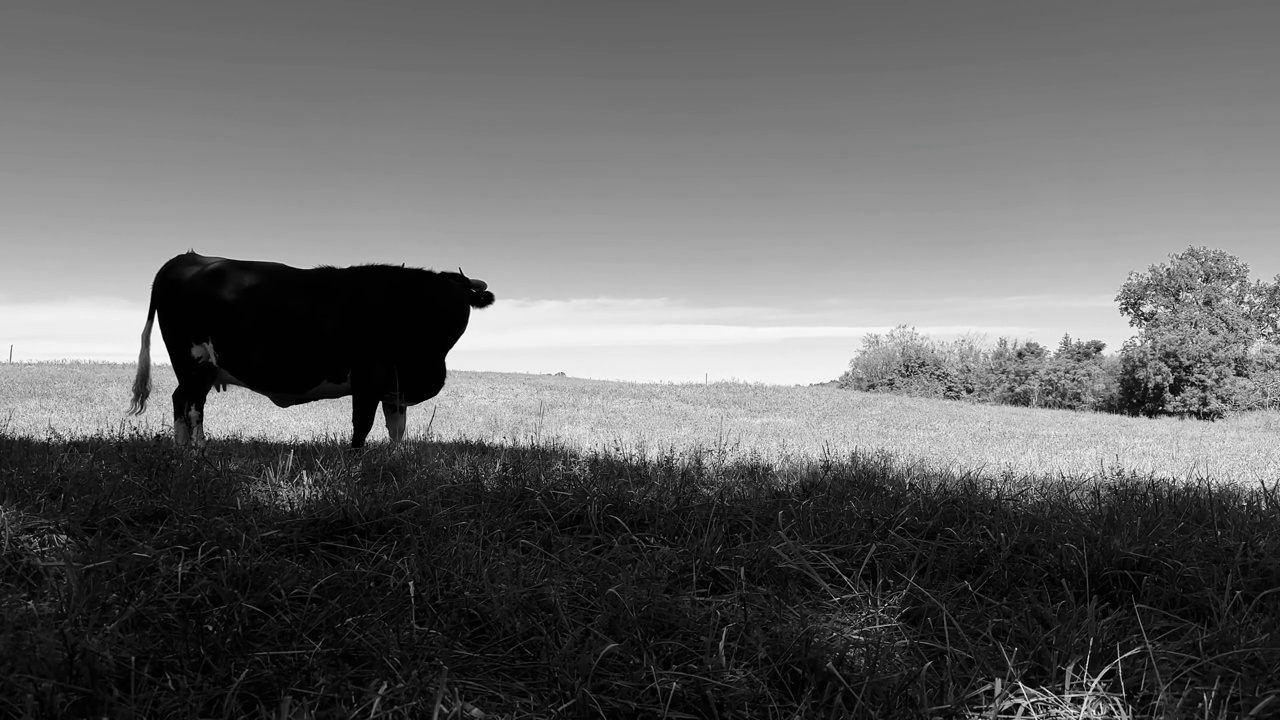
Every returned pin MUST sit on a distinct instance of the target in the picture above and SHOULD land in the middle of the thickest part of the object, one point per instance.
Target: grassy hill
(770, 421)
(568, 548)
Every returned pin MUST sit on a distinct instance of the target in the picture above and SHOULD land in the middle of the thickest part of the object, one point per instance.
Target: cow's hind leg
(181, 419)
(188, 414)
(194, 383)
(394, 412)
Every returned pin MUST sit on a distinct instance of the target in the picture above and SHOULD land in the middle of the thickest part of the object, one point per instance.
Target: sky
(658, 191)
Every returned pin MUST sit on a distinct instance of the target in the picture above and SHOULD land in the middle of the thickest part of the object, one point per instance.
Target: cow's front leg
(395, 413)
(363, 410)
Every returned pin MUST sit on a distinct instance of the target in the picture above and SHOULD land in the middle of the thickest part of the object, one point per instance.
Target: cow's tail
(142, 381)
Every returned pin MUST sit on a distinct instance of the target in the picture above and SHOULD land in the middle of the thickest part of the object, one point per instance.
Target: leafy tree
(1077, 351)
(1198, 317)
(1078, 377)
(968, 360)
(1181, 371)
(1204, 284)
(1261, 389)
(1015, 373)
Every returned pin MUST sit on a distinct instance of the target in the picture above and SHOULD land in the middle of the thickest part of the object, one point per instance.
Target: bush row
(1075, 376)
(1208, 343)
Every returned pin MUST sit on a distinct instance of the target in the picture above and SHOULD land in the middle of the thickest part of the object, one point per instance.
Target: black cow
(378, 333)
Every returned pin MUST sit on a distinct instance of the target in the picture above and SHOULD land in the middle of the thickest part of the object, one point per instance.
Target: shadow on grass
(261, 579)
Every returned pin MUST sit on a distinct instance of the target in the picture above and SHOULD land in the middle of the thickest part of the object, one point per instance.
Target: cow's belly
(324, 391)
(262, 383)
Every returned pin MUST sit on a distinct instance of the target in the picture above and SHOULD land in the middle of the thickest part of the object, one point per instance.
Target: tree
(1262, 390)
(1078, 377)
(1016, 372)
(1077, 351)
(1198, 317)
(1200, 284)
(1181, 371)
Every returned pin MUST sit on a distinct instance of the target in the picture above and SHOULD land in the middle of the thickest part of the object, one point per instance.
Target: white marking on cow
(188, 426)
(204, 352)
(395, 414)
(197, 427)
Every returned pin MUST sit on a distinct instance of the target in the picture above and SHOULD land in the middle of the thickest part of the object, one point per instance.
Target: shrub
(903, 362)
(1012, 373)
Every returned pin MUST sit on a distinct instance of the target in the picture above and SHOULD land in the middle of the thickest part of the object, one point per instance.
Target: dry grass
(773, 421)
(667, 575)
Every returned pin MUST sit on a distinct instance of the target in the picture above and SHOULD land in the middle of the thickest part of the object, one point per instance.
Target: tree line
(1207, 344)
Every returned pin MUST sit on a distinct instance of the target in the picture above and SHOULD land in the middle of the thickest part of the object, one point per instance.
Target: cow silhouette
(379, 333)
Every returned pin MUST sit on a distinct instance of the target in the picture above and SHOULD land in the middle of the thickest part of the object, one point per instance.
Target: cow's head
(480, 297)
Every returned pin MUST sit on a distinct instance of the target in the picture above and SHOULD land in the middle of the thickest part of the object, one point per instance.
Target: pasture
(52, 399)
(556, 547)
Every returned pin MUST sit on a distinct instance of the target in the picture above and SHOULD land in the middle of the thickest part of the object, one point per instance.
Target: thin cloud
(1039, 301)
(968, 303)
(613, 322)
(96, 328)
(106, 328)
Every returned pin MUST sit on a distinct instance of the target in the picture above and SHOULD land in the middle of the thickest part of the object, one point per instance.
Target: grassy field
(53, 400)
(555, 547)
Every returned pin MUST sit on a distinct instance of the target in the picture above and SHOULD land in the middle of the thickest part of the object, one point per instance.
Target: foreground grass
(521, 580)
